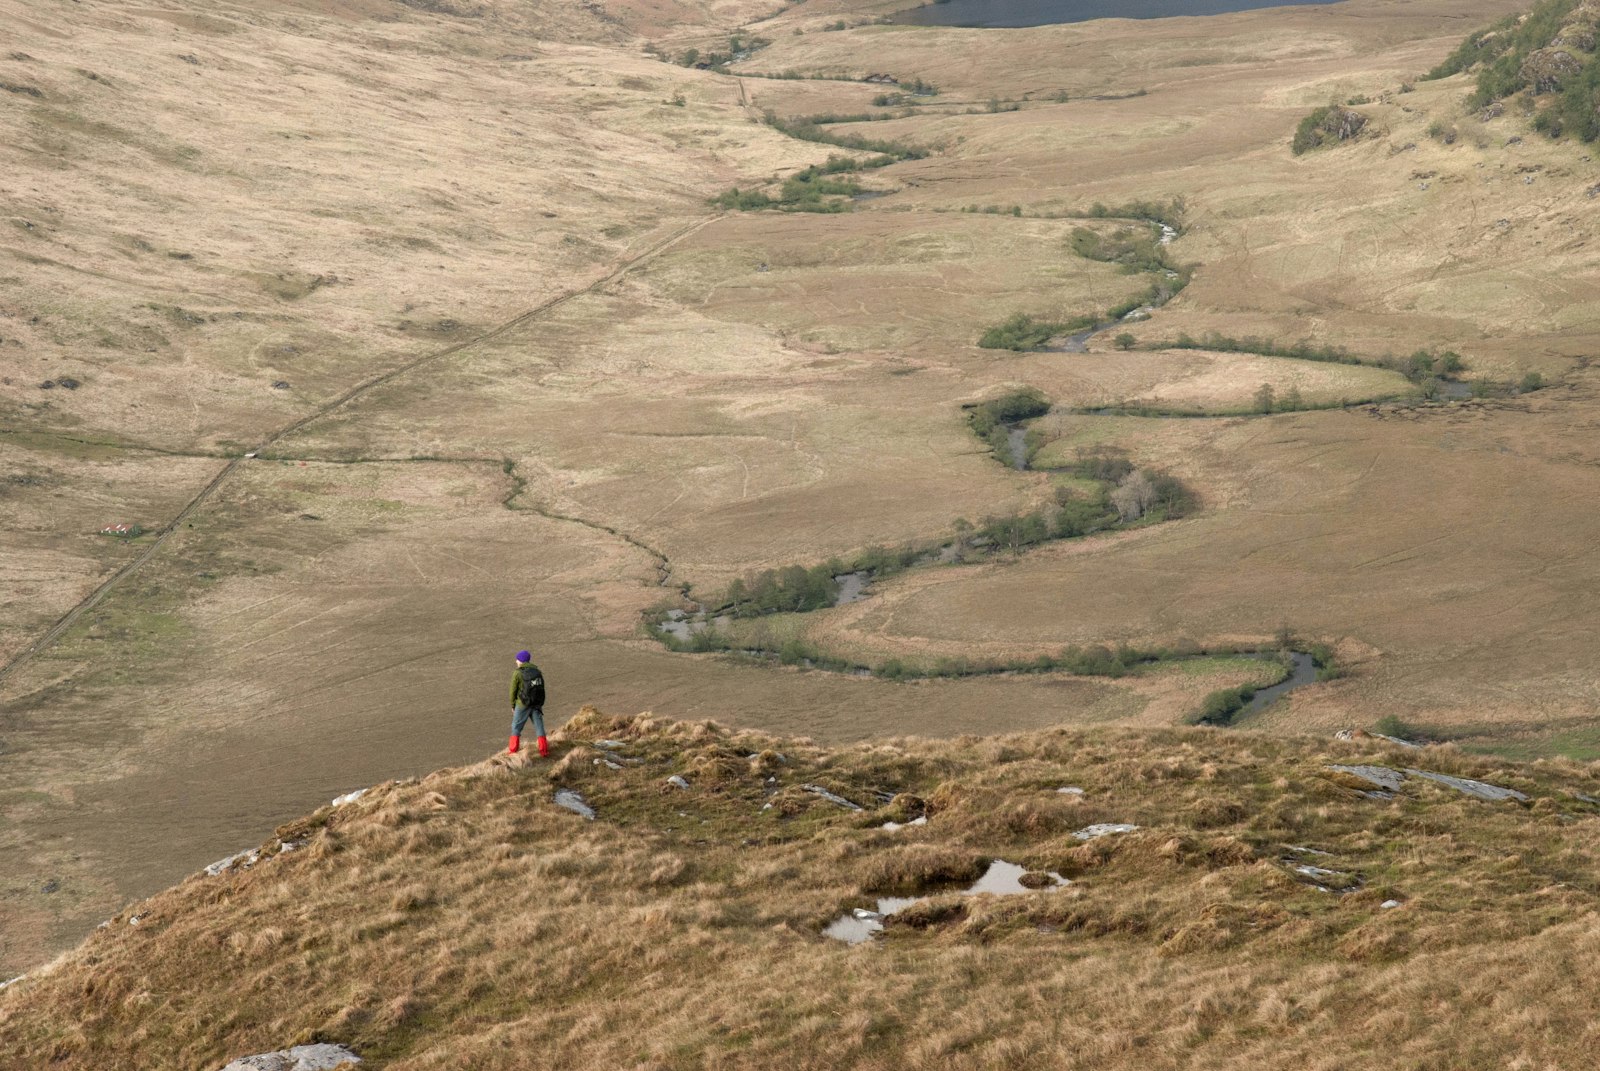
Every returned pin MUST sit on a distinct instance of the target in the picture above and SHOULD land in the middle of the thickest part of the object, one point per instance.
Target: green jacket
(535, 683)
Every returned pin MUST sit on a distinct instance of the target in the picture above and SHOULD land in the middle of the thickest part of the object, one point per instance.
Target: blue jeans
(520, 716)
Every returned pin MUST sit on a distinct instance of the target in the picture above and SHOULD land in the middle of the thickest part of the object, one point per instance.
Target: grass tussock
(465, 921)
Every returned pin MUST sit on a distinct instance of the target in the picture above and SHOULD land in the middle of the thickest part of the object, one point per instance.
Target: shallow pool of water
(861, 924)
(1001, 879)
(1008, 14)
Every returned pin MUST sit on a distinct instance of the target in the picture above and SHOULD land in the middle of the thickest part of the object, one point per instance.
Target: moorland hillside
(1159, 899)
(349, 347)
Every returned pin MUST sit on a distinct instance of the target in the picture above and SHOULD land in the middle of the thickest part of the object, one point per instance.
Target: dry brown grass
(463, 920)
(333, 191)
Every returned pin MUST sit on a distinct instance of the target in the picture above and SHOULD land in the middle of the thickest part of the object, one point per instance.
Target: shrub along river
(998, 14)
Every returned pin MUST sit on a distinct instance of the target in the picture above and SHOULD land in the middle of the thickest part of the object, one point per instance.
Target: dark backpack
(530, 693)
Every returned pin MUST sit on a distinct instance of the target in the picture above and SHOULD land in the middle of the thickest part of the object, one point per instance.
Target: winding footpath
(67, 620)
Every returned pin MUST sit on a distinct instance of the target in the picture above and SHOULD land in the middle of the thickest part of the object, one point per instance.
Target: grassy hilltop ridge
(464, 920)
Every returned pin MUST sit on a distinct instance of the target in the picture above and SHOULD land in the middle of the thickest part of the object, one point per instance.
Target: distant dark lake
(1011, 13)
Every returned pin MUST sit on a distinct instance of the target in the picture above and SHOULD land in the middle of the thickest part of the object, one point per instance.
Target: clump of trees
(1167, 212)
(1223, 705)
(988, 419)
(819, 188)
(816, 189)
(739, 48)
(1420, 367)
(1132, 249)
(1328, 125)
(1127, 495)
(792, 589)
(1303, 350)
(809, 128)
(1023, 332)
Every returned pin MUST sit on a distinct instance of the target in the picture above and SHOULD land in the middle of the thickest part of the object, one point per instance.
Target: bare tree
(1133, 496)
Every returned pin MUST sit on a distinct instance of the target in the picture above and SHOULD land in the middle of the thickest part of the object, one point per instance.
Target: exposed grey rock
(1363, 734)
(1476, 789)
(677, 782)
(1388, 782)
(574, 802)
(1310, 871)
(1387, 904)
(1070, 790)
(609, 745)
(1397, 740)
(1550, 69)
(1103, 829)
(299, 1058)
(1380, 777)
(818, 790)
(241, 859)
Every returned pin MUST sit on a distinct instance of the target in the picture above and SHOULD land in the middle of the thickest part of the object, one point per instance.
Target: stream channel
(1303, 671)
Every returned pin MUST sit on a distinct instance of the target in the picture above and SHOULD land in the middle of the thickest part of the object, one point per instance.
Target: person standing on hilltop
(527, 702)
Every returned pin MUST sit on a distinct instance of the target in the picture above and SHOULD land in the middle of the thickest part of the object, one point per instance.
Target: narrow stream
(1017, 440)
(1304, 672)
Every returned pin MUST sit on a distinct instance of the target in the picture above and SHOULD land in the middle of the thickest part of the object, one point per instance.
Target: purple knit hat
(524, 656)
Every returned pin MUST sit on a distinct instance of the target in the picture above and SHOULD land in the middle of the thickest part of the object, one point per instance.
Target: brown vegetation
(517, 380)
(462, 920)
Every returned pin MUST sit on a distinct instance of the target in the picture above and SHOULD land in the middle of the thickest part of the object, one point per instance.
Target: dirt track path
(56, 631)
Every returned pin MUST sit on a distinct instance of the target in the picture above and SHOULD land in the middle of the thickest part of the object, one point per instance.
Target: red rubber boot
(544, 748)
(516, 742)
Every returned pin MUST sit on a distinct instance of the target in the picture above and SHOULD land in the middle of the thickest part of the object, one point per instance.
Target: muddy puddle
(1000, 879)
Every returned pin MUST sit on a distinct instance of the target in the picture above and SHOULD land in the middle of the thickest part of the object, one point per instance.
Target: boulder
(1547, 70)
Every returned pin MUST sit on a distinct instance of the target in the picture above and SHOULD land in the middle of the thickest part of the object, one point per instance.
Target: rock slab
(1387, 780)
(1477, 789)
(299, 1058)
(1379, 777)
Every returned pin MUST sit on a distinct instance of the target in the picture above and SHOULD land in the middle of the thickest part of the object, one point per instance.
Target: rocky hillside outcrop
(664, 894)
(1550, 54)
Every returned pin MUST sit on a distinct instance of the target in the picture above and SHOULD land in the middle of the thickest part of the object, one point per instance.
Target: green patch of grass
(1579, 745)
